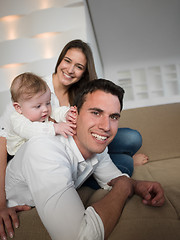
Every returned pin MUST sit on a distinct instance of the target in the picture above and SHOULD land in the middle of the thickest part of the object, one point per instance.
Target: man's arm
(110, 207)
(48, 173)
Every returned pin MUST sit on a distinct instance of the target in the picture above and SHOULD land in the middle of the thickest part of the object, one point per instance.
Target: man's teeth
(98, 137)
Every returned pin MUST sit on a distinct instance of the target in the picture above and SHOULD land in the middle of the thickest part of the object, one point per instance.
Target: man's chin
(100, 149)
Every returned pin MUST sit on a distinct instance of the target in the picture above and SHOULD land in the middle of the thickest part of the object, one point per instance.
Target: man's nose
(104, 123)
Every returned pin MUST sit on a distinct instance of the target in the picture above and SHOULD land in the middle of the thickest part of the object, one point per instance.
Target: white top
(45, 172)
(22, 129)
(5, 120)
(16, 135)
(5, 117)
(54, 99)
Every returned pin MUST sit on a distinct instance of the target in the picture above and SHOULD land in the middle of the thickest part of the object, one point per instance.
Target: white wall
(32, 35)
(140, 34)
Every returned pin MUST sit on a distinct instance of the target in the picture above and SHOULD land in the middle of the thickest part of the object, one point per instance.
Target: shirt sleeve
(5, 120)
(48, 172)
(59, 113)
(106, 170)
(26, 129)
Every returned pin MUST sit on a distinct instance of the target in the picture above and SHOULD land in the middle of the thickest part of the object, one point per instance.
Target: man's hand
(124, 184)
(9, 218)
(151, 192)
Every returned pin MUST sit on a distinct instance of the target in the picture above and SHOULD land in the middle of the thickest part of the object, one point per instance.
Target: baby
(34, 114)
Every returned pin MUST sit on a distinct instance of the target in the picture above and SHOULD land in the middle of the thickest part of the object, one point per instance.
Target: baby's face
(37, 108)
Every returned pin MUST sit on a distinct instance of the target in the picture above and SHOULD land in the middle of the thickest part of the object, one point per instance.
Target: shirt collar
(76, 149)
(93, 160)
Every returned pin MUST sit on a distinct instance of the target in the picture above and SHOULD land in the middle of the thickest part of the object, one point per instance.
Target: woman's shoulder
(48, 79)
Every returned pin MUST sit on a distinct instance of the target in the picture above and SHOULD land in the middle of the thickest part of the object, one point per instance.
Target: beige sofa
(160, 129)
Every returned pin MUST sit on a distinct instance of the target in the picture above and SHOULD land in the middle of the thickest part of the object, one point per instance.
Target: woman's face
(72, 67)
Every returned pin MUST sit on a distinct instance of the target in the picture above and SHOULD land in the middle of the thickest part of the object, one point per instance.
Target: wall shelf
(158, 82)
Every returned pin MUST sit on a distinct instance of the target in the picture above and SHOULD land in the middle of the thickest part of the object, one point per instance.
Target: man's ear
(17, 107)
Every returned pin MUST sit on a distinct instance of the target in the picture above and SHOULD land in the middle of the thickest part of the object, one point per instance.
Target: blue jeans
(125, 144)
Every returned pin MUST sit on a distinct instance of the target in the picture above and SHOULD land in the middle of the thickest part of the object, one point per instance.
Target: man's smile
(99, 137)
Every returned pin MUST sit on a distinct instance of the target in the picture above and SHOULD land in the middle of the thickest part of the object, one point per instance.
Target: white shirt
(5, 117)
(22, 129)
(5, 120)
(45, 172)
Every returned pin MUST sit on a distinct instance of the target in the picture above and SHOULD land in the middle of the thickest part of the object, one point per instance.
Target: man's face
(97, 122)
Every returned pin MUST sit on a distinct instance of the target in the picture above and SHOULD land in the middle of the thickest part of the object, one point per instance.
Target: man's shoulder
(43, 149)
(48, 144)
(37, 141)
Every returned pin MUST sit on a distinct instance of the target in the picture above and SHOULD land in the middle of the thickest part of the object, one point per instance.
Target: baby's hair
(26, 85)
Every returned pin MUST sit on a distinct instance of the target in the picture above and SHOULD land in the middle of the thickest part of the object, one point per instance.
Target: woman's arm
(6, 214)
(3, 164)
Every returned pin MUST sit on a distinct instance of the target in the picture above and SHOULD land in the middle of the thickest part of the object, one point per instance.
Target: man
(46, 171)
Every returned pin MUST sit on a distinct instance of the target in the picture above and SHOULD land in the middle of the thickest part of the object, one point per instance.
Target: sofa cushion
(144, 222)
(159, 127)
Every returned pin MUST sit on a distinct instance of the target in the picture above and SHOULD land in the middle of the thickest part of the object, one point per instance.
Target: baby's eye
(48, 103)
(38, 106)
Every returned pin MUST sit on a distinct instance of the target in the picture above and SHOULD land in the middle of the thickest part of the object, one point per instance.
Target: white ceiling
(131, 31)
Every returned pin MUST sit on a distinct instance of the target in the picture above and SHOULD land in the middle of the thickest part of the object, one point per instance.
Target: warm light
(10, 18)
(11, 26)
(12, 65)
(46, 35)
(12, 33)
(43, 4)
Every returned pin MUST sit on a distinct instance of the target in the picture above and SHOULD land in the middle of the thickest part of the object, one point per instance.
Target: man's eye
(95, 113)
(114, 117)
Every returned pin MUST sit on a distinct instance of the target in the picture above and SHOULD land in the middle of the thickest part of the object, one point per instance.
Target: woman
(75, 65)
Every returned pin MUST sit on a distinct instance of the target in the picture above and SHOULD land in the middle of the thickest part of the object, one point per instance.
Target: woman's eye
(66, 60)
(80, 68)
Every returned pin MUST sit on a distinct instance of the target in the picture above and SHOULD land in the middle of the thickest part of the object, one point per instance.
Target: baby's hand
(65, 129)
(71, 115)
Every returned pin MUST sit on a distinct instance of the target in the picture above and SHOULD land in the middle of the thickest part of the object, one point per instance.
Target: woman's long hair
(90, 72)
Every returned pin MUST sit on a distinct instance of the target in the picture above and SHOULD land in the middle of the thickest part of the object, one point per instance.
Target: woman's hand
(9, 219)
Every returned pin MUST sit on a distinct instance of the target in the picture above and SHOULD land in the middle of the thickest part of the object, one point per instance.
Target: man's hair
(26, 85)
(98, 84)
